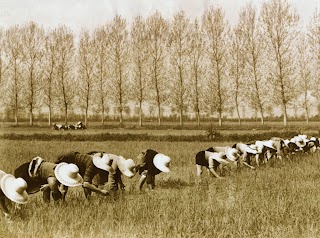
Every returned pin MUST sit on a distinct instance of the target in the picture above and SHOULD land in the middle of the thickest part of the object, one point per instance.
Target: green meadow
(275, 200)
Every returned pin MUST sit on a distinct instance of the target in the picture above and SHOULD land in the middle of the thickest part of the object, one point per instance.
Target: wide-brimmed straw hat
(245, 148)
(162, 162)
(231, 153)
(299, 141)
(126, 166)
(14, 188)
(104, 162)
(269, 144)
(219, 156)
(68, 174)
(259, 145)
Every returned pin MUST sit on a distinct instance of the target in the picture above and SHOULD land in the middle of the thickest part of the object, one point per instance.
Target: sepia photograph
(159, 118)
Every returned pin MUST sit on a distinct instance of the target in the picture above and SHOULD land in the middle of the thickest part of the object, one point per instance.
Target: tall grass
(277, 200)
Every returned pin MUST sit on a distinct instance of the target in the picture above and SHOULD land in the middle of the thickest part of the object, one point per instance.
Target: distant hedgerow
(149, 137)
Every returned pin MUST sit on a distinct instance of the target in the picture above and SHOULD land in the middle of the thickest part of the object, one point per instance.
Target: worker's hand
(104, 192)
(44, 187)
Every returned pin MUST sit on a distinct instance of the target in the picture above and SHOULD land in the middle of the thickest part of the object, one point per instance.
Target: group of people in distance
(218, 158)
(89, 170)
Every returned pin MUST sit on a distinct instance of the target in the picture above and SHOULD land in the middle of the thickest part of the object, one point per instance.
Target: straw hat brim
(229, 153)
(247, 149)
(7, 188)
(128, 173)
(158, 162)
(218, 157)
(269, 144)
(125, 165)
(64, 179)
(99, 162)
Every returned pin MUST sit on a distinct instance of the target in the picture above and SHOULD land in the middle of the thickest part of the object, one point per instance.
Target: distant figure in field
(150, 163)
(89, 167)
(13, 189)
(58, 126)
(50, 178)
(80, 126)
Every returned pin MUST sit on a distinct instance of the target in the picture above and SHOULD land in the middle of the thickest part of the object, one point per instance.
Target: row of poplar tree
(195, 65)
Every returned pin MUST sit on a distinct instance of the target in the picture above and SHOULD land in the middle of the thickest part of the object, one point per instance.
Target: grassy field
(277, 200)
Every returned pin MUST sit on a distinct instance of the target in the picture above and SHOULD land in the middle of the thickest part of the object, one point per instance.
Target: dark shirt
(201, 159)
(46, 171)
(149, 165)
(33, 184)
(84, 162)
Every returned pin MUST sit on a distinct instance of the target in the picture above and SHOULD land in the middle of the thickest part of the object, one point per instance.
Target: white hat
(162, 162)
(34, 166)
(245, 148)
(103, 162)
(313, 139)
(269, 144)
(299, 141)
(14, 188)
(127, 167)
(217, 156)
(259, 145)
(231, 153)
(286, 141)
(68, 174)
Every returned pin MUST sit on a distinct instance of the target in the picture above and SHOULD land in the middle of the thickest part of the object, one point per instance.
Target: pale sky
(89, 14)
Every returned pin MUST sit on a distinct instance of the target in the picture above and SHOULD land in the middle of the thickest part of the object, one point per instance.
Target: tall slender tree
(197, 44)
(304, 71)
(139, 47)
(33, 44)
(216, 28)
(255, 61)
(13, 48)
(50, 72)
(280, 21)
(100, 40)
(119, 52)
(157, 28)
(237, 67)
(87, 61)
(179, 39)
(314, 43)
(65, 83)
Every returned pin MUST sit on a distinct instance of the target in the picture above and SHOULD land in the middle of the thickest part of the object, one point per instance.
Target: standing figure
(12, 188)
(150, 163)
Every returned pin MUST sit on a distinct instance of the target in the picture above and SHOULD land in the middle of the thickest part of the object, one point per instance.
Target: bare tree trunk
(285, 116)
(306, 107)
(31, 116)
(198, 117)
(159, 113)
(181, 97)
(49, 116)
(16, 95)
(102, 115)
(140, 113)
(220, 118)
(65, 113)
(238, 112)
